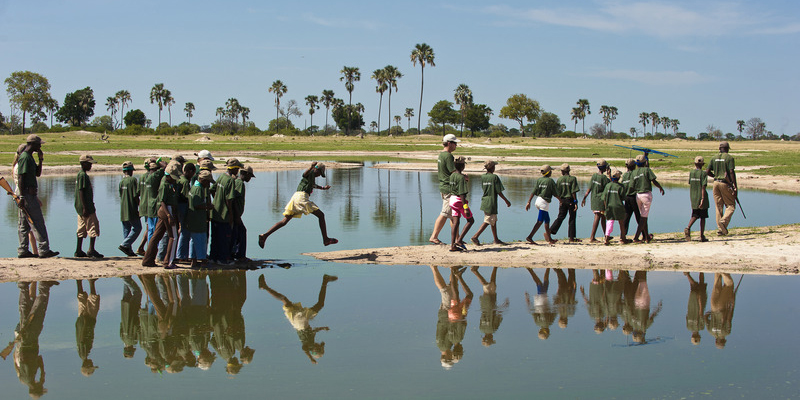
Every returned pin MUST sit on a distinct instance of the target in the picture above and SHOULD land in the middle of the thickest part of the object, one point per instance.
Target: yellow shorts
(299, 205)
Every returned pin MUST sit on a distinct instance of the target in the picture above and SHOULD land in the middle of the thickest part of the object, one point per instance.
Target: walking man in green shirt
(129, 209)
(88, 225)
(446, 166)
(698, 180)
(566, 191)
(27, 172)
(726, 189)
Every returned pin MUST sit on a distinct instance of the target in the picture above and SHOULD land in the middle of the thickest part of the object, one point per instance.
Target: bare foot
(329, 278)
(529, 240)
(500, 242)
(262, 283)
(262, 239)
(330, 241)
(476, 241)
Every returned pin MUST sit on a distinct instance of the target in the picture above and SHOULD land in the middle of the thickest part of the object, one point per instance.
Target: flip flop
(456, 249)
(331, 241)
(435, 241)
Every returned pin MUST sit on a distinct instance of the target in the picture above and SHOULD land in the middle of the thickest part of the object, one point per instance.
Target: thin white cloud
(660, 19)
(658, 78)
(340, 23)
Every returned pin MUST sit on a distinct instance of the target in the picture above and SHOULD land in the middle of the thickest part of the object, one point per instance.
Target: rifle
(729, 181)
(4, 184)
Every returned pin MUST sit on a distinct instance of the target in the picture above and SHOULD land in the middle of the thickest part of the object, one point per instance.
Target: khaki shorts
(490, 219)
(88, 226)
(299, 205)
(88, 304)
(446, 211)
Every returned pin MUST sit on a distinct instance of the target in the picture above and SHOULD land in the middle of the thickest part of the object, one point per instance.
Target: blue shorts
(544, 216)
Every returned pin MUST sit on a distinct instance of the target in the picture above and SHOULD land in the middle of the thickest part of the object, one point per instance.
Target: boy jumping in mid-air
(300, 204)
(698, 180)
(492, 187)
(459, 205)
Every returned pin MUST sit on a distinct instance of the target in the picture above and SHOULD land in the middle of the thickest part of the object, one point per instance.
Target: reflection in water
(300, 317)
(723, 299)
(595, 302)
(228, 294)
(129, 318)
(452, 322)
(543, 314)
(696, 307)
(27, 360)
(385, 214)
(564, 300)
(491, 313)
(88, 307)
(350, 179)
(639, 316)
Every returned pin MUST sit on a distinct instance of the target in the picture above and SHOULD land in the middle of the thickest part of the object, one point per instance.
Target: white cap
(450, 138)
(204, 154)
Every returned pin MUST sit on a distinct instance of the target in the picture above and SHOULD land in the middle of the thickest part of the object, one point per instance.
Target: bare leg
(594, 227)
(494, 233)
(547, 233)
(470, 221)
(529, 238)
(262, 238)
(437, 278)
(322, 290)
(262, 284)
(478, 234)
(437, 227)
(454, 222)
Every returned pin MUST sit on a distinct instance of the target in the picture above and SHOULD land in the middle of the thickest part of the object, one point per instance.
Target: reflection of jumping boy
(300, 317)
(492, 187)
(300, 204)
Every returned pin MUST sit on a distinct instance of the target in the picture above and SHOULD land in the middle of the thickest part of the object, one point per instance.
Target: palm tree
(51, 105)
(422, 54)
(409, 114)
(157, 96)
(111, 105)
(169, 101)
(245, 113)
(575, 116)
(739, 126)
(397, 120)
(654, 121)
(674, 123)
(463, 97)
(380, 77)
(644, 118)
(350, 75)
(614, 113)
(313, 104)
(665, 122)
(392, 75)
(327, 100)
(123, 97)
(279, 89)
(583, 105)
(189, 109)
(605, 111)
(220, 114)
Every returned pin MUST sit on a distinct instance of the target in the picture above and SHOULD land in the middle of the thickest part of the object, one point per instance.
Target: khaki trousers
(726, 205)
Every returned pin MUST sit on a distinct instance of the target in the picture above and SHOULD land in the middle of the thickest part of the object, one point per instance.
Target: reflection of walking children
(543, 314)
(491, 313)
(129, 319)
(596, 301)
(492, 187)
(300, 317)
(564, 300)
(300, 205)
(723, 299)
(642, 318)
(452, 322)
(698, 180)
(459, 205)
(544, 189)
(566, 192)
(88, 307)
(695, 321)
(596, 186)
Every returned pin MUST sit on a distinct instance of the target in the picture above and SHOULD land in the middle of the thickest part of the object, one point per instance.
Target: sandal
(435, 241)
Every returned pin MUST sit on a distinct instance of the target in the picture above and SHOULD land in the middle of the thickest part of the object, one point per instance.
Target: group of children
(615, 197)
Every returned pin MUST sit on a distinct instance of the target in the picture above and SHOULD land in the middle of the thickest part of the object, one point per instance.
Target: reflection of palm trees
(419, 236)
(349, 215)
(385, 214)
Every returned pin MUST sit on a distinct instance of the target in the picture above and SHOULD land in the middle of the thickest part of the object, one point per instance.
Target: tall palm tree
(605, 111)
(313, 104)
(583, 104)
(327, 100)
(397, 120)
(665, 122)
(575, 116)
(51, 105)
(157, 97)
(245, 113)
(422, 54)
(463, 97)
(279, 89)
(392, 75)
(739, 126)
(674, 123)
(409, 114)
(111, 105)
(189, 109)
(123, 97)
(169, 101)
(614, 113)
(654, 121)
(644, 118)
(380, 78)
(350, 75)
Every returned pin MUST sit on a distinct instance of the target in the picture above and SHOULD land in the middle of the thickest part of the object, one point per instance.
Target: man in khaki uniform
(725, 190)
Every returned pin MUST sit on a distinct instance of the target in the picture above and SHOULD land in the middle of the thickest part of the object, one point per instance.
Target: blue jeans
(199, 245)
(130, 232)
(239, 241)
(185, 235)
(220, 241)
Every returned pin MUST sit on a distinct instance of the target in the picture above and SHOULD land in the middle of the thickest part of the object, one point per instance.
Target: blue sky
(702, 62)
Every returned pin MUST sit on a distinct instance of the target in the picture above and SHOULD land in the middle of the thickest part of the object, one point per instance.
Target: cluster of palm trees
(230, 113)
(116, 104)
(655, 121)
(580, 112)
(163, 97)
(386, 79)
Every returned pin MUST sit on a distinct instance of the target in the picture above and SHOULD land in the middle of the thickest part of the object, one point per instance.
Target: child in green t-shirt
(459, 205)
(698, 180)
(545, 189)
(88, 224)
(129, 209)
(613, 201)
(492, 187)
(596, 186)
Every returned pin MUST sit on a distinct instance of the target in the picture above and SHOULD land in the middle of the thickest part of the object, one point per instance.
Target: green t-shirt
(223, 192)
(626, 182)
(168, 193)
(129, 199)
(642, 180)
(598, 183)
(238, 197)
(566, 186)
(144, 195)
(152, 185)
(197, 217)
(183, 196)
(492, 186)
(545, 188)
(447, 165)
(720, 164)
(26, 168)
(84, 199)
(458, 184)
(698, 179)
(613, 196)
(307, 183)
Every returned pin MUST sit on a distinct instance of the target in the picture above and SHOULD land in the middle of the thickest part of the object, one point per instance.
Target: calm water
(384, 331)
